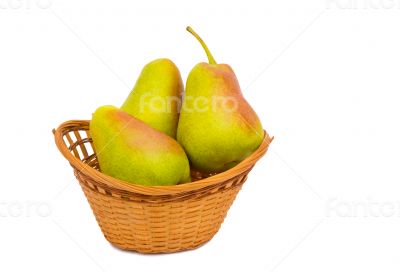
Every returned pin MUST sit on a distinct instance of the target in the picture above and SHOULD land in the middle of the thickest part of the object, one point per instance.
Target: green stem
(210, 57)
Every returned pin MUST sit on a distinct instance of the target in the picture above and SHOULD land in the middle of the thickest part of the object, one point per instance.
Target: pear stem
(210, 57)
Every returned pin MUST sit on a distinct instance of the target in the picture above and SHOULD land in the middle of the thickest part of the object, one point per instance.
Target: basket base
(161, 250)
(161, 227)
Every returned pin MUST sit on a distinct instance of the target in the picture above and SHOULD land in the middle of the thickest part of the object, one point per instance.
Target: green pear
(130, 150)
(217, 127)
(156, 97)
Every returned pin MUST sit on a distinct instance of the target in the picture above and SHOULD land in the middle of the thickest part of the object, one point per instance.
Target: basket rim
(108, 181)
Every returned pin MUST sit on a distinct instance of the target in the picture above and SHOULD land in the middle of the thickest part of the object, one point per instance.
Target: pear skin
(156, 97)
(130, 150)
(217, 126)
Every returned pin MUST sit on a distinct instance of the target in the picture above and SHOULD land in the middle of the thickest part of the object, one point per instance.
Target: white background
(322, 75)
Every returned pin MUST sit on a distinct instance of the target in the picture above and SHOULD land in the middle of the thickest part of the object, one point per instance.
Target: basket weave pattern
(152, 219)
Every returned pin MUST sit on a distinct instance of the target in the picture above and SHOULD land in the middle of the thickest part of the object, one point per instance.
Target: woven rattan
(152, 219)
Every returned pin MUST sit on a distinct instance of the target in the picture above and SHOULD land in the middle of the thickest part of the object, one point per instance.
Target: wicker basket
(152, 219)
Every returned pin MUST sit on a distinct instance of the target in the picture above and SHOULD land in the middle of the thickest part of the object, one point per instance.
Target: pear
(130, 150)
(156, 97)
(217, 126)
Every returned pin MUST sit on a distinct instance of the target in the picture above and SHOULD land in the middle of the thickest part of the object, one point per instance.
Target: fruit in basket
(156, 97)
(130, 150)
(217, 127)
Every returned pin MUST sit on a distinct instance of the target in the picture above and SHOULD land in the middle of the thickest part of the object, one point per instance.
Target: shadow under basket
(152, 219)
